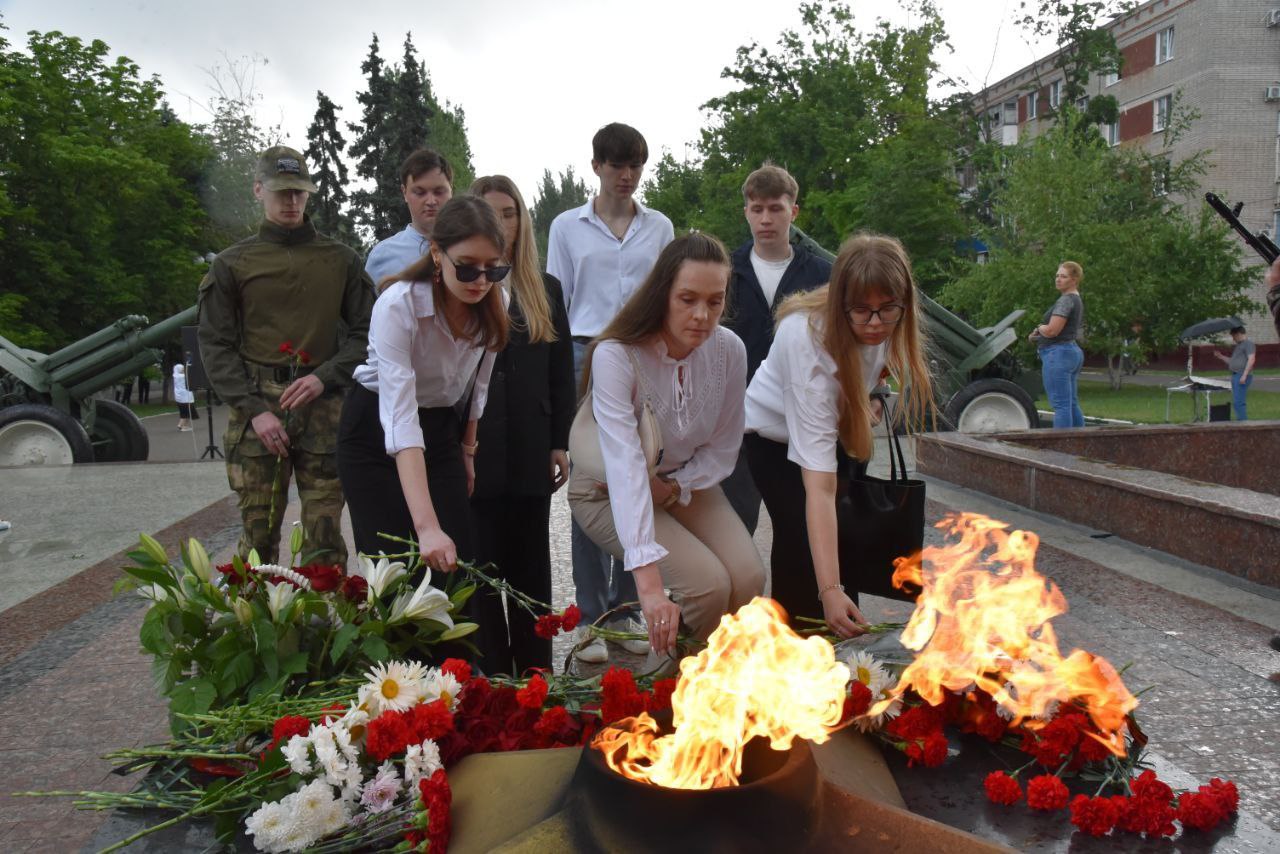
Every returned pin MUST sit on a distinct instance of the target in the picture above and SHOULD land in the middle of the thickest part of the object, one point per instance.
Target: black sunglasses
(467, 273)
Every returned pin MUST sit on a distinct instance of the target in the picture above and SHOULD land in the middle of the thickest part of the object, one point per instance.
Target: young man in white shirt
(426, 180)
(601, 252)
(766, 270)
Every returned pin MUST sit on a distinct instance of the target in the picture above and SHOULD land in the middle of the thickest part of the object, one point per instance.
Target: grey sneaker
(637, 646)
(593, 651)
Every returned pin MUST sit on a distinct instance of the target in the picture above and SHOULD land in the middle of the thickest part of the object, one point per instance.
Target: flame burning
(983, 618)
(755, 678)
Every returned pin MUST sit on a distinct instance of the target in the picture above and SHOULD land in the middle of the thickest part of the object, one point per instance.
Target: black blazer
(530, 407)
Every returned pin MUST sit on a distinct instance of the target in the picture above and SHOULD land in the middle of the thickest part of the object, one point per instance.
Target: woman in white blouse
(404, 449)
(809, 411)
(674, 530)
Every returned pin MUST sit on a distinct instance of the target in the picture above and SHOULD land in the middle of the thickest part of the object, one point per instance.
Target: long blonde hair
(526, 279)
(866, 263)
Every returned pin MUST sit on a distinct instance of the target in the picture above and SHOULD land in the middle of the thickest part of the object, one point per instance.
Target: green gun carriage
(48, 412)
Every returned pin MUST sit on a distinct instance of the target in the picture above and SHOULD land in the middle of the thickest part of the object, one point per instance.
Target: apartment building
(1219, 58)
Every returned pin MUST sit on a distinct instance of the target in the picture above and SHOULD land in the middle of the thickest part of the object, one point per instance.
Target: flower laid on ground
(395, 685)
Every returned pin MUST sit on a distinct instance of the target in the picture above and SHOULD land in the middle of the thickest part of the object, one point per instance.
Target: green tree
(554, 198)
(324, 157)
(98, 207)
(1151, 269)
(374, 207)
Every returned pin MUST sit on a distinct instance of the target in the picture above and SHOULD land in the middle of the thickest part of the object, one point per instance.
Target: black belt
(279, 373)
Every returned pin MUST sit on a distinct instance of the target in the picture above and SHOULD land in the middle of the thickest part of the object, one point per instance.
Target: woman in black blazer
(523, 439)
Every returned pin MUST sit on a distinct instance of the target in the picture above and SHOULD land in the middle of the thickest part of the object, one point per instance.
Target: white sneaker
(635, 646)
(593, 651)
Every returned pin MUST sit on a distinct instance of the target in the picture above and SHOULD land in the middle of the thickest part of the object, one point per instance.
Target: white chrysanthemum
(421, 760)
(396, 685)
(277, 571)
(297, 752)
(267, 826)
(380, 793)
(379, 575)
(440, 685)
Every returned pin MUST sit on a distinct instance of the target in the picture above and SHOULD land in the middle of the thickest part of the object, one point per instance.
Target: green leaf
(152, 634)
(237, 673)
(264, 635)
(460, 596)
(461, 630)
(296, 663)
(152, 576)
(375, 648)
(192, 697)
(342, 640)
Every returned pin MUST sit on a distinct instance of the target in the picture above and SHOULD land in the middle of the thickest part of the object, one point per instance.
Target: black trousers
(512, 532)
(781, 485)
(371, 483)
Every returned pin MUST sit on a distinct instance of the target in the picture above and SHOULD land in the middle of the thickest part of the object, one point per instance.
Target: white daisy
(421, 760)
(441, 686)
(396, 685)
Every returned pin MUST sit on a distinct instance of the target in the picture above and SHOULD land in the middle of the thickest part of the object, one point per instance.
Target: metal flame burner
(778, 806)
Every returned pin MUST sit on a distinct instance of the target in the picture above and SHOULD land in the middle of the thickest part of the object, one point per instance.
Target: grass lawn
(1145, 404)
(1200, 372)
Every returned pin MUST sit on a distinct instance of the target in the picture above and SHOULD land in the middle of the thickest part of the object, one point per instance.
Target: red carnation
(430, 720)
(532, 695)
(619, 696)
(304, 357)
(858, 701)
(548, 626)
(556, 728)
(1226, 792)
(1002, 789)
(287, 727)
(388, 735)
(660, 698)
(1046, 792)
(1091, 748)
(458, 669)
(287, 348)
(571, 617)
(474, 697)
(1094, 816)
(1054, 742)
(916, 722)
(1148, 785)
(323, 578)
(1201, 810)
(1152, 816)
(355, 588)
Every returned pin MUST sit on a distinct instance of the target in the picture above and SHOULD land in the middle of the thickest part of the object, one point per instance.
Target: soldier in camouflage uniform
(287, 285)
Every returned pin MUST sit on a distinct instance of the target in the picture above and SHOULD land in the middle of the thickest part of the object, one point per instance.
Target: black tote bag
(879, 520)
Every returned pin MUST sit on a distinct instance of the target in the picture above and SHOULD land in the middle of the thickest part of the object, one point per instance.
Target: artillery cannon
(48, 414)
(980, 386)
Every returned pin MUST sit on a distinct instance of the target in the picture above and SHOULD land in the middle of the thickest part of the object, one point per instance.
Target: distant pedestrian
(183, 397)
(124, 391)
(1240, 363)
(144, 388)
(1057, 343)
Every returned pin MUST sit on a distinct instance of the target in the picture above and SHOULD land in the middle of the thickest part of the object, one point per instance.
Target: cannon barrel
(109, 355)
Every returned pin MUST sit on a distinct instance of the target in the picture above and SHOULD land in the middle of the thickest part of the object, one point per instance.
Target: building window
(1164, 107)
(1111, 133)
(1011, 112)
(1160, 177)
(1111, 78)
(1055, 94)
(1275, 224)
(1082, 103)
(1164, 45)
(1032, 100)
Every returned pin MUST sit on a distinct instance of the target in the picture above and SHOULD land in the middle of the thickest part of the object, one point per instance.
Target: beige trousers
(712, 567)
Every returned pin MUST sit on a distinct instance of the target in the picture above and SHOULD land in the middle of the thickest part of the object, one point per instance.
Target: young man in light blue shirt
(601, 253)
(426, 180)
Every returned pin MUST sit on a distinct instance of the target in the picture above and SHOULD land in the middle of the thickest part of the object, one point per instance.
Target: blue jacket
(747, 313)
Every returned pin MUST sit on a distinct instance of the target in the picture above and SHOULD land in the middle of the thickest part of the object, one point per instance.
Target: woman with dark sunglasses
(407, 439)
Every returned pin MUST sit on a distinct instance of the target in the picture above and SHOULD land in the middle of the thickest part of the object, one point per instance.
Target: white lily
(279, 598)
(199, 560)
(380, 575)
(425, 603)
(243, 610)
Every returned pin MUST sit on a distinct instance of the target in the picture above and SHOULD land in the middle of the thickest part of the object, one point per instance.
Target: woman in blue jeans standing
(1056, 343)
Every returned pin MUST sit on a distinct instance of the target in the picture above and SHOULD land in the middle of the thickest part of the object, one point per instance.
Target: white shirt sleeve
(714, 461)
(613, 384)
(560, 261)
(809, 399)
(392, 330)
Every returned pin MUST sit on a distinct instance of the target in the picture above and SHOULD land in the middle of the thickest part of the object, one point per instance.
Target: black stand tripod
(212, 451)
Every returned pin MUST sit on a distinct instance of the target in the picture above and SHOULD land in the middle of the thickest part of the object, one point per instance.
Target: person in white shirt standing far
(674, 529)
(601, 252)
(809, 411)
(426, 180)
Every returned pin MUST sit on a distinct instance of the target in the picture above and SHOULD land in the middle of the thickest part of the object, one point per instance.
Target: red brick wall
(1139, 56)
(1137, 121)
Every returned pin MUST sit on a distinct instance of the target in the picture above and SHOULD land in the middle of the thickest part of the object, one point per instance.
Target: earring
(437, 277)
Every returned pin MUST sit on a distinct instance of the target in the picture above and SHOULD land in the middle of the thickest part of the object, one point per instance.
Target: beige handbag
(584, 436)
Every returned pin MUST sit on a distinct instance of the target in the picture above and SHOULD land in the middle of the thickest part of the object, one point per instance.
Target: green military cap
(282, 168)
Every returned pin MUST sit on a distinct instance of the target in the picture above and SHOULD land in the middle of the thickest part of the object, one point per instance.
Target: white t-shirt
(769, 273)
(181, 394)
(794, 396)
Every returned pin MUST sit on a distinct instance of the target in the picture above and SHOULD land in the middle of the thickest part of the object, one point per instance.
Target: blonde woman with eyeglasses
(809, 413)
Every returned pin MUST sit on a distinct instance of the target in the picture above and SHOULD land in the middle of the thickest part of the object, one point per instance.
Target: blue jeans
(1238, 392)
(1061, 372)
(599, 581)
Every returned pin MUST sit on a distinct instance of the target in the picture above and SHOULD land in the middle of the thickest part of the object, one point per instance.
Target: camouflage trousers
(256, 475)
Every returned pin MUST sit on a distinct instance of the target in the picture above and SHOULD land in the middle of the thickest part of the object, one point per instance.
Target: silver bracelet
(836, 586)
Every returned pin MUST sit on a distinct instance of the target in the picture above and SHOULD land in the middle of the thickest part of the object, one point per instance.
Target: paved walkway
(74, 685)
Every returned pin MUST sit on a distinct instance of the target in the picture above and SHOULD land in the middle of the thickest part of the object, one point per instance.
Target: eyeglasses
(861, 315)
(467, 273)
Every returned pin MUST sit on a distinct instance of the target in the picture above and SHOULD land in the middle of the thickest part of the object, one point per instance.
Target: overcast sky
(536, 77)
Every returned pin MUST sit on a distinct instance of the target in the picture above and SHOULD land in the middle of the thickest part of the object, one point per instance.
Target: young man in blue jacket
(766, 270)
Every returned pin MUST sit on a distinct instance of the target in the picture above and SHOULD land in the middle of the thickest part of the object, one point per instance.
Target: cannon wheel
(991, 406)
(32, 434)
(118, 436)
